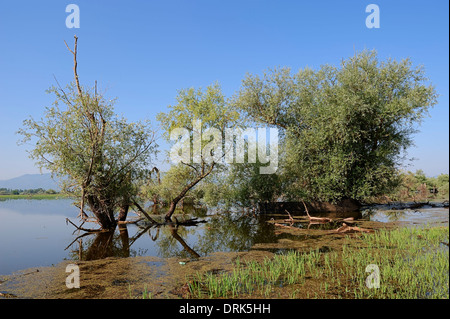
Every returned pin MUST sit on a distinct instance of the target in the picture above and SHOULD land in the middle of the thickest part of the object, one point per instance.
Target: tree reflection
(93, 246)
(221, 233)
(226, 232)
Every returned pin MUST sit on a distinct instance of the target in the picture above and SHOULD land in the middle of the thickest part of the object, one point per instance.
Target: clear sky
(144, 51)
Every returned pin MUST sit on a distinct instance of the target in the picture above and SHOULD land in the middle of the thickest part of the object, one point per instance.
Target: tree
(442, 184)
(245, 186)
(96, 153)
(346, 128)
(199, 118)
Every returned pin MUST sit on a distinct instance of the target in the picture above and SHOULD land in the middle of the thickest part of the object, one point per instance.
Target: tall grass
(412, 262)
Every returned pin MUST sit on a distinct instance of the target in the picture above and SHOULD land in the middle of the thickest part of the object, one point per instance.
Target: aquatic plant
(412, 262)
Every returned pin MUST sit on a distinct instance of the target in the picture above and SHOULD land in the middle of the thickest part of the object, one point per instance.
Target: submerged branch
(90, 230)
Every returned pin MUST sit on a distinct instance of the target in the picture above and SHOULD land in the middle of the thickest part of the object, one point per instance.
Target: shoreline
(169, 278)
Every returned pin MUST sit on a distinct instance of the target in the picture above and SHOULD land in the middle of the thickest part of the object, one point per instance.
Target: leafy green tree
(97, 154)
(442, 184)
(247, 187)
(202, 116)
(420, 177)
(345, 128)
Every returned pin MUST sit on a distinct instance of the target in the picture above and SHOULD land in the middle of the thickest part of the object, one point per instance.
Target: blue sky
(144, 51)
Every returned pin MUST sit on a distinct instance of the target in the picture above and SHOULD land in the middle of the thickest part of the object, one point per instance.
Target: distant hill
(30, 181)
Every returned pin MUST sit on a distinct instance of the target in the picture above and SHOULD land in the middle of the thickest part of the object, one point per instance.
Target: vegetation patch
(413, 263)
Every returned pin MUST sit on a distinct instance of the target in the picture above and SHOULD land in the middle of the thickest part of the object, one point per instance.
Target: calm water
(34, 233)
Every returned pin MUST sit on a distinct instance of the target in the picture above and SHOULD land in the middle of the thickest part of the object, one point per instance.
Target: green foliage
(33, 191)
(345, 128)
(417, 186)
(172, 183)
(248, 187)
(97, 154)
(196, 111)
(209, 105)
(442, 184)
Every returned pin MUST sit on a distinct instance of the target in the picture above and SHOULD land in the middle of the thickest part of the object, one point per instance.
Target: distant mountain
(30, 181)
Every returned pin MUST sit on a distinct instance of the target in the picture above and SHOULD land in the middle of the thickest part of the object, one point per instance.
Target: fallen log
(286, 226)
(352, 229)
(316, 219)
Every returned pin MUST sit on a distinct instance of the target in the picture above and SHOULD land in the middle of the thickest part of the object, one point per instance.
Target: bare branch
(75, 64)
(83, 229)
(191, 166)
(144, 212)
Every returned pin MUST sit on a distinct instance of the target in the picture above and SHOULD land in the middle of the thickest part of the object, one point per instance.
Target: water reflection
(221, 233)
(227, 232)
(34, 233)
(412, 216)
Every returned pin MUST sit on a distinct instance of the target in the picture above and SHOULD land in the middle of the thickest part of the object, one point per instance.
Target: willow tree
(346, 128)
(96, 154)
(197, 125)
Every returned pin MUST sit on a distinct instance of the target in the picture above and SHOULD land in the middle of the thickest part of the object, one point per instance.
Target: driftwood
(352, 229)
(344, 229)
(286, 226)
(316, 219)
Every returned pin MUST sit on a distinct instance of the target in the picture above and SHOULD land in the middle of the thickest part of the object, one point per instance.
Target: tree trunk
(104, 218)
(174, 202)
(123, 212)
(173, 205)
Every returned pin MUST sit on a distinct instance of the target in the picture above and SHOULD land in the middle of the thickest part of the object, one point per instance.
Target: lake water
(34, 233)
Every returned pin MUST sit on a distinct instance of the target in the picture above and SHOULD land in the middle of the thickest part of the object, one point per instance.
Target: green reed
(412, 262)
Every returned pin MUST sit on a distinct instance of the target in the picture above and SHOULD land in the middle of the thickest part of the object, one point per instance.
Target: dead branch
(82, 213)
(291, 220)
(90, 230)
(144, 212)
(175, 201)
(75, 64)
(188, 222)
(316, 219)
(352, 229)
(286, 226)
